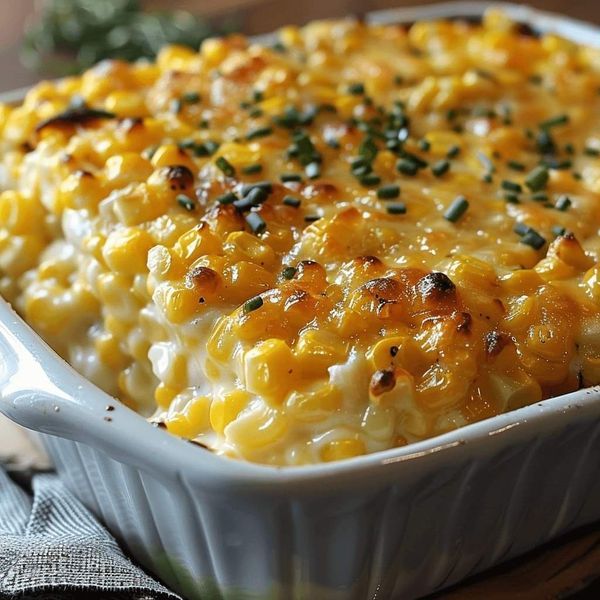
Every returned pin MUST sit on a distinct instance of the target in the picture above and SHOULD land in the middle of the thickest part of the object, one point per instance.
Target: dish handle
(40, 391)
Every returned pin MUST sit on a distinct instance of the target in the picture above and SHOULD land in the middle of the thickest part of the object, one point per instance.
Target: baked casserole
(357, 237)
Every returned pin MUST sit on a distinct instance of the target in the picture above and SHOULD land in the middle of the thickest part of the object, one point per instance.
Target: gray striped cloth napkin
(51, 544)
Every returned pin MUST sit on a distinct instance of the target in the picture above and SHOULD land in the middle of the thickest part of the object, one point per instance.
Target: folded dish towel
(52, 544)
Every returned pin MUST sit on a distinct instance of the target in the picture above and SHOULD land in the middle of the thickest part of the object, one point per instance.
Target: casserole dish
(364, 528)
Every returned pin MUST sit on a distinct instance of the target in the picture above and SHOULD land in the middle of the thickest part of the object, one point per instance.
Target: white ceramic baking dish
(396, 524)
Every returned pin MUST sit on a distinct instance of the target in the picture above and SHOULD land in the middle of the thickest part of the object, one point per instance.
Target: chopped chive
(398, 79)
(256, 222)
(288, 177)
(186, 144)
(210, 146)
(252, 304)
(457, 209)
(534, 239)
(440, 168)
(544, 142)
(368, 149)
(176, 106)
(259, 132)
(252, 169)
(554, 121)
(256, 195)
(424, 145)
(486, 162)
(311, 218)
(487, 178)
(358, 162)
(453, 151)
(511, 186)
(227, 198)
(511, 198)
(313, 170)
(186, 202)
(388, 192)
(521, 229)
(451, 114)
(589, 151)
(356, 89)
(361, 170)
(258, 95)
(191, 97)
(253, 198)
(256, 112)
(149, 152)
(558, 230)
(266, 186)
(539, 196)
(225, 166)
(569, 148)
(289, 273)
(577, 176)
(332, 143)
(369, 179)
(396, 208)
(554, 163)
(407, 167)
(515, 165)
(563, 203)
(537, 179)
(292, 201)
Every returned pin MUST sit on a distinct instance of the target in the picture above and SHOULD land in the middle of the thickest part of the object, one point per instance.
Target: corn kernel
(126, 250)
(257, 429)
(341, 449)
(317, 350)
(315, 405)
(197, 242)
(225, 409)
(163, 394)
(270, 369)
(241, 245)
(178, 302)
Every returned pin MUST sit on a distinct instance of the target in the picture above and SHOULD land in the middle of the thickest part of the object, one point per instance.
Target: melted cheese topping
(362, 237)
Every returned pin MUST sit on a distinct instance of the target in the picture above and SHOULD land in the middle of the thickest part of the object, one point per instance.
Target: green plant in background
(72, 35)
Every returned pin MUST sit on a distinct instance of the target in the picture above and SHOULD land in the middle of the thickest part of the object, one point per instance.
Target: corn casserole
(357, 237)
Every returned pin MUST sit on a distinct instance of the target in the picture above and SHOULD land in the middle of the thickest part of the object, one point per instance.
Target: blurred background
(50, 38)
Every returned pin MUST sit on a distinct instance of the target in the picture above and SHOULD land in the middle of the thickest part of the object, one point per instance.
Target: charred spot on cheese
(499, 304)
(464, 322)
(131, 123)
(435, 286)
(382, 381)
(203, 278)
(384, 289)
(78, 113)
(178, 177)
(495, 342)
